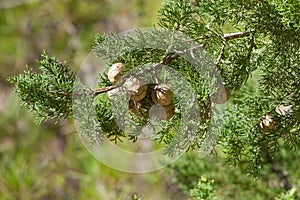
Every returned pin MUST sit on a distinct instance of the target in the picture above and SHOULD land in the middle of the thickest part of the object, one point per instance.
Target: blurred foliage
(48, 162)
(232, 182)
(203, 190)
(66, 28)
(289, 195)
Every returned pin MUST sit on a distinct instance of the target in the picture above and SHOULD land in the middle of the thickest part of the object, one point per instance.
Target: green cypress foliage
(48, 93)
(249, 40)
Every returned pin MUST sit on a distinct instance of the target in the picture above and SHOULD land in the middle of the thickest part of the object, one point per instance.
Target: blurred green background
(48, 161)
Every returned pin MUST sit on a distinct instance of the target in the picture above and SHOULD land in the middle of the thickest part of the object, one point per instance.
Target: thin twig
(221, 52)
(227, 36)
(103, 90)
(231, 36)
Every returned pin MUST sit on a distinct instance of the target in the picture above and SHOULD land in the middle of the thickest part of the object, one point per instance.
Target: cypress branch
(269, 46)
(48, 93)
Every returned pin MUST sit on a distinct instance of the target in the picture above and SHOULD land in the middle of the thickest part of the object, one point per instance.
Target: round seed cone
(140, 94)
(162, 95)
(115, 72)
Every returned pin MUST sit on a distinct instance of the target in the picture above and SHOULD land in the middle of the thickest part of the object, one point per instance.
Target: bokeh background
(48, 161)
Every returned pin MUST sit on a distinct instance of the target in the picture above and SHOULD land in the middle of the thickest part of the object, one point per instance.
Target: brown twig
(221, 52)
(103, 90)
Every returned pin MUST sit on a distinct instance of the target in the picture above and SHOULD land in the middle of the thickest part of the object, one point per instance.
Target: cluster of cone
(267, 121)
(161, 95)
